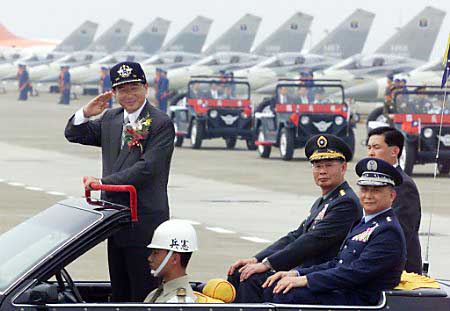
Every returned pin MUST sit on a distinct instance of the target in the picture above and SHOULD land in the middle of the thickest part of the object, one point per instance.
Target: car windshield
(309, 93)
(219, 90)
(421, 103)
(29, 243)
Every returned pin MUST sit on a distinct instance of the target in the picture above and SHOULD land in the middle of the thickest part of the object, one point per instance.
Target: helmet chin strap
(162, 265)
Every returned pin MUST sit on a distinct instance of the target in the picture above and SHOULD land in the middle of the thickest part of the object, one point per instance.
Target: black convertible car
(35, 253)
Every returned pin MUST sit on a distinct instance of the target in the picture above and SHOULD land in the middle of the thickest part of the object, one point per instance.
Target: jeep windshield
(219, 90)
(406, 102)
(28, 245)
(309, 93)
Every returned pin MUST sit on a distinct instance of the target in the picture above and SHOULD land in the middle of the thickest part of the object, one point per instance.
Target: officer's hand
(250, 269)
(285, 284)
(87, 180)
(240, 263)
(279, 275)
(97, 105)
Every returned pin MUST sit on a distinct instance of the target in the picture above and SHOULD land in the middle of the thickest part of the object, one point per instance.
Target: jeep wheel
(230, 142)
(178, 140)
(251, 144)
(410, 157)
(350, 140)
(196, 134)
(444, 168)
(376, 115)
(286, 143)
(264, 151)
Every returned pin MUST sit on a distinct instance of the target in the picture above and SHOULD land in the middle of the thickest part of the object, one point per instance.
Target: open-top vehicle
(214, 108)
(417, 112)
(299, 110)
(36, 253)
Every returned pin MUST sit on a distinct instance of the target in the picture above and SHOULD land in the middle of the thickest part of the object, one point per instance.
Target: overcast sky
(50, 19)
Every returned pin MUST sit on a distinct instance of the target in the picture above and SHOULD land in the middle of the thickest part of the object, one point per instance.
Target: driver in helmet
(171, 248)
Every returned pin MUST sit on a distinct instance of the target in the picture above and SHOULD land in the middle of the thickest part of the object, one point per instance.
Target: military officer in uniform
(370, 260)
(172, 246)
(105, 82)
(141, 160)
(319, 236)
(386, 143)
(24, 82)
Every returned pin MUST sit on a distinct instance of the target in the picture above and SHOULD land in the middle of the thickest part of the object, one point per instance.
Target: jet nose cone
(367, 91)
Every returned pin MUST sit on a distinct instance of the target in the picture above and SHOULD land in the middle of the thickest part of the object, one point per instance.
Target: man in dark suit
(370, 260)
(143, 162)
(386, 143)
(319, 236)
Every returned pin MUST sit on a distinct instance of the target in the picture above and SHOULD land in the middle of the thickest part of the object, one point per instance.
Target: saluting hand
(287, 283)
(279, 275)
(97, 105)
(240, 263)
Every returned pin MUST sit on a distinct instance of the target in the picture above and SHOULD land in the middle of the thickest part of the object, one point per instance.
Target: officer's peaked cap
(127, 72)
(327, 147)
(377, 172)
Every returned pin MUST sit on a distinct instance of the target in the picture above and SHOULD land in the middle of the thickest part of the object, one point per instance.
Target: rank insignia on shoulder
(342, 192)
(181, 292)
(388, 219)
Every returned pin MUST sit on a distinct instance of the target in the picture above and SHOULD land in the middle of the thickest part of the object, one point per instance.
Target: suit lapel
(315, 209)
(126, 151)
(116, 135)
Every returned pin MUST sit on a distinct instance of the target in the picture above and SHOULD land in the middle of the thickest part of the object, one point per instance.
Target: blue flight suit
(66, 88)
(107, 86)
(370, 260)
(162, 92)
(24, 81)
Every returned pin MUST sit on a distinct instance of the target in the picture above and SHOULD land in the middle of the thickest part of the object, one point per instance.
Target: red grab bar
(116, 188)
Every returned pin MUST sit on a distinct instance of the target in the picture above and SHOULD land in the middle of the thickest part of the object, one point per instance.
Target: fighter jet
(345, 40)
(288, 37)
(141, 47)
(78, 40)
(374, 90)
(182, 50)
(110, 41)
(405, 50)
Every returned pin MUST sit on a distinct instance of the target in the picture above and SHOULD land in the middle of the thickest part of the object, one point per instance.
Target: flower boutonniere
(135, 133)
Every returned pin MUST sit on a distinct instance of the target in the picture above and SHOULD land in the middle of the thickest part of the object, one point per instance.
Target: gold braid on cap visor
(326, 155)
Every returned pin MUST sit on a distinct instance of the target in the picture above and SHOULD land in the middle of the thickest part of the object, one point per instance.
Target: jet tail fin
(79, 39)
(348, 38)
(191, 38)
(5, 34)
(238, 38)
(112, 39)
(416, 39)
(151, 38)
(289, 37)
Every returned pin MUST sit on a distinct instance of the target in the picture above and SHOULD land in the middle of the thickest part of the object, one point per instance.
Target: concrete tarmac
(239, 202)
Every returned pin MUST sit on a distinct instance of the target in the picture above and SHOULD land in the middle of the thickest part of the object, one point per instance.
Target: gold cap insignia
(372, 165)
(124, 71)
(322, 142)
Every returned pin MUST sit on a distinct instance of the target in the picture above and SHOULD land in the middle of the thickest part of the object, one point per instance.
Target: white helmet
(175, 235)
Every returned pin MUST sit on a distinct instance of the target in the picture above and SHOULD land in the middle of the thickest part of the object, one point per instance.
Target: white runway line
(34, 188)
(220, 230)
(56, 193)
(254, 239)
(16, 184)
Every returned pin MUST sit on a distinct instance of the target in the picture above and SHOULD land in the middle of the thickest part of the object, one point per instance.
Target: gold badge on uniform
(342, 192)
(124, 71)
